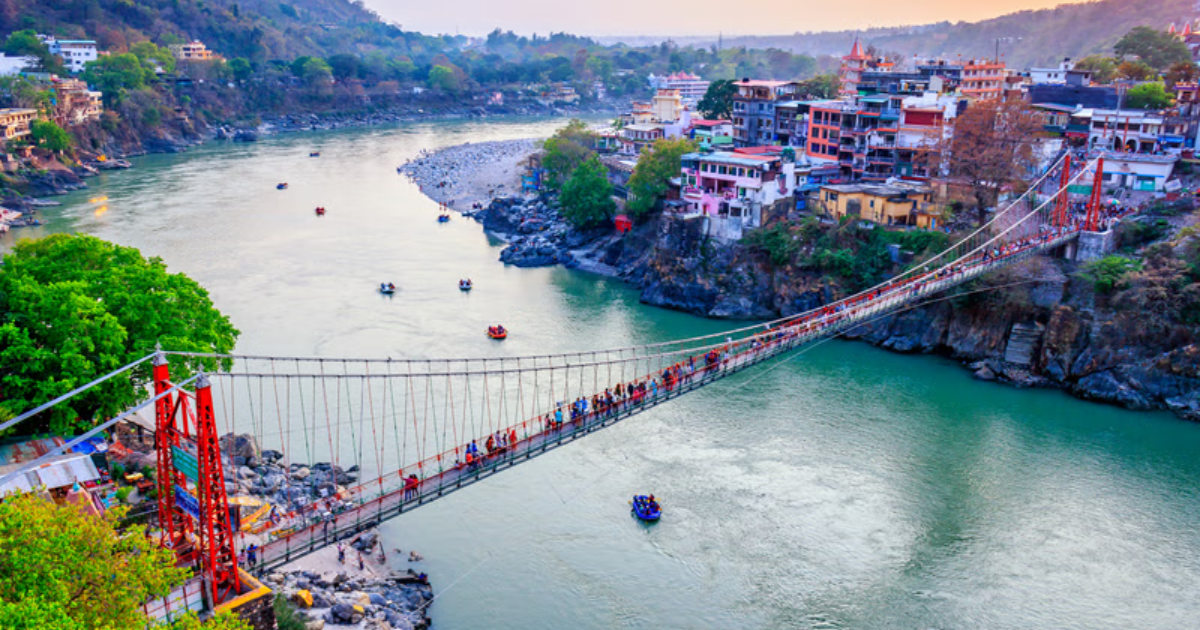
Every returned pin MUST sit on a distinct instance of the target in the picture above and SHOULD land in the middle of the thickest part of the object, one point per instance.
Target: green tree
(68, 570)
(444, 78)
(76, 308)
(563, 152)
(344, 66)
(18, 91)
(587, 196)
(26, 44)
(651, 177)
(822, 86)
(316, 73)
(115, 75)
(1181, 72)
(1134, 71)
(48, 135)
(1157, 49)
(600, 67)
(1148, 96)
(149, 54)
(240, 69)
(717, 102)
(1103, 69)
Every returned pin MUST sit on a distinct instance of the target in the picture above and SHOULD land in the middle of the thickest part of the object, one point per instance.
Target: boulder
(243, 445)
(315, 624)
(345, 613)
(301, 473)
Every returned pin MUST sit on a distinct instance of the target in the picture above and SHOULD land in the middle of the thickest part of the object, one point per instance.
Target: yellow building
(667, 106)
(195, 51)
(886, 204)
(14, 123)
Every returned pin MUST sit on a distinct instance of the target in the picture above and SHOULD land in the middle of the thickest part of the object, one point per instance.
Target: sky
(684, 17)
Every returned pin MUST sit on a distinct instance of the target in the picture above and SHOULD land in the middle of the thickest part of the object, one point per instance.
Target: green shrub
(1106, 273)
(123, 494)
(117, 471)
(286, 615)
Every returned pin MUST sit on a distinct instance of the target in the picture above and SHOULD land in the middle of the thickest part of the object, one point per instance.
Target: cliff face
(1033, 325)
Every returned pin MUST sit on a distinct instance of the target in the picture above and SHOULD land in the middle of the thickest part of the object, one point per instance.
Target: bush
(123, 494)
(117, 471)
(777, 242)
(1134, 234)
(286, 615)
(1106, 273)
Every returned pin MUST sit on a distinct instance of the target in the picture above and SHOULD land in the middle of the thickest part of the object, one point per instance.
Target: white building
(15, 65)
(691, 87)
(1052, 76)
(75, 53)
(1138, 171)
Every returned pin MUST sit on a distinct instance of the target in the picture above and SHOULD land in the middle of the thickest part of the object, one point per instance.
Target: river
(845, 487)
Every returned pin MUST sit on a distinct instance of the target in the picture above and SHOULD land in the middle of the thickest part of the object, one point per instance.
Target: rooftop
(879, 190)
(644, 127)
(760, 83)
(705, 122)
(735, 159)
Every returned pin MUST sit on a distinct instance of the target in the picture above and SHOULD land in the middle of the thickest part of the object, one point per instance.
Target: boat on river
(465, 285)
(497, 332)
(443, 218)
(387, 288)
(314, 154)
(320, 211)
(281, 186)
(646, 508)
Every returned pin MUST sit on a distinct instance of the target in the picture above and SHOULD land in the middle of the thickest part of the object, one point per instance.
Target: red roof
(856, 52)
(758, 83)
(759, 152)
(705, 122)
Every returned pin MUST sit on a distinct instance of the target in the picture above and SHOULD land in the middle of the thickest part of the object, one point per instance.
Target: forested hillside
(1069, 30)
(257, 30)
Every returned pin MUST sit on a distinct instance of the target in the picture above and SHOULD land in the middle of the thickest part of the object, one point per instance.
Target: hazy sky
(684, 17)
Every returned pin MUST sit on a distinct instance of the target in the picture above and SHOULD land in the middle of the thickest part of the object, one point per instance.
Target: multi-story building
(1127, 130)
(666, 106)
(1052, 76)
(14, 123)
(635, 138)
(15, 65)
(691, 87)
(890, 204)
(853, 66)
(984, 79)
(712, 134)
(754, 110)
(880, 136)
(75, 53)
(192, 51)
(74, 103)
(737, 188)
(791, 123)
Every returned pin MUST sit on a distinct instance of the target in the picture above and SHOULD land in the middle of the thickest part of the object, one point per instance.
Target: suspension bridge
(419, 429)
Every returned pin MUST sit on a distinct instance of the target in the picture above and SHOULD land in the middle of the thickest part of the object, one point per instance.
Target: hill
(1045, 36)
(258, 30)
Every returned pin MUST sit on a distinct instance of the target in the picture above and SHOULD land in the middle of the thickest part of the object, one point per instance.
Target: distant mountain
(1045, 36)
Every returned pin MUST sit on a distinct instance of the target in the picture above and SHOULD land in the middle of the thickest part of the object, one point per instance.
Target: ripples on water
(844, 488)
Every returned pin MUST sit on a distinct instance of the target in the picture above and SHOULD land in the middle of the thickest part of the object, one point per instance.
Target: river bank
(107, 146)
(1049, 330)
(845, 469)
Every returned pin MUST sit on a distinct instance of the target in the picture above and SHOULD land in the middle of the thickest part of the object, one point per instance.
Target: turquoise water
(844, 487)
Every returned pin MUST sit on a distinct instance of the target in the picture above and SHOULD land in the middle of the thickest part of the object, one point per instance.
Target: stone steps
(1022, 341)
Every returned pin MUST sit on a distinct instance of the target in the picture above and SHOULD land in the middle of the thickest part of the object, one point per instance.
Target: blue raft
(646, 508)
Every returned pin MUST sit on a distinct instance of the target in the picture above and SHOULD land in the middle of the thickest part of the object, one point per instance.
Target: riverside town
(871, 319)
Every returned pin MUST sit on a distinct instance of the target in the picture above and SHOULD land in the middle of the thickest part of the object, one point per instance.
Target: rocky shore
(331, 595)
(466, 176)
(1050, 331)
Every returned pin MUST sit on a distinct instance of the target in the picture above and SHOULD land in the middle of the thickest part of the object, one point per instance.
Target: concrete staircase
(1022, 341)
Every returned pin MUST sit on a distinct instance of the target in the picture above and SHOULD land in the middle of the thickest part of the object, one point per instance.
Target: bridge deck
(391, 499)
